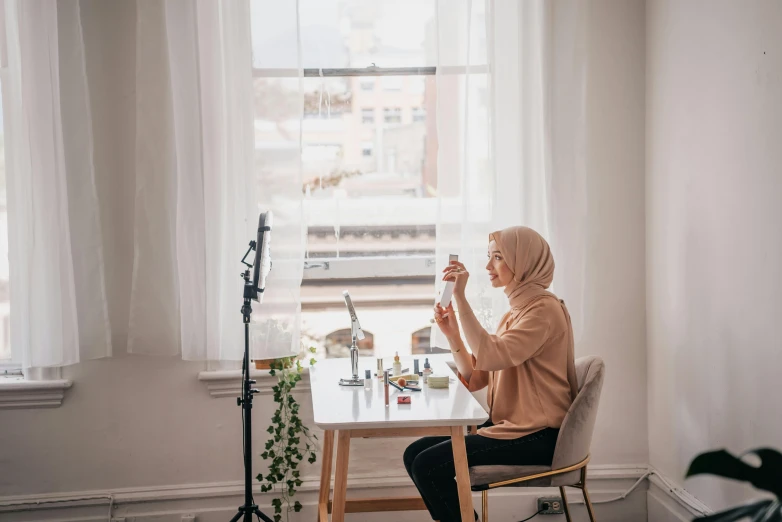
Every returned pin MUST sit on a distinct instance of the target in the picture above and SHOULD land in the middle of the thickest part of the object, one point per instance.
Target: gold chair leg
(485, 505)
(588, 503)
(564, 503)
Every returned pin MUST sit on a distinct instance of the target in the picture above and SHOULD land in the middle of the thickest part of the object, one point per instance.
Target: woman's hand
(458, 274)
(445, 319)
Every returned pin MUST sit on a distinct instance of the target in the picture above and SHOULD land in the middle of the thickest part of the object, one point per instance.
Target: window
(367, 116)
(392, 115)
(366, 148)
(419, 342)
(338, 344)
(370, 200)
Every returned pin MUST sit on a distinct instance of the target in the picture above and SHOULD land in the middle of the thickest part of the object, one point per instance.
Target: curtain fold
(510, 124)
(57, 288)
(197, 205)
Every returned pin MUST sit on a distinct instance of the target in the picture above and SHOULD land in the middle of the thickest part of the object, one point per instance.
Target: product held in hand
(447, 293)
(438, 381)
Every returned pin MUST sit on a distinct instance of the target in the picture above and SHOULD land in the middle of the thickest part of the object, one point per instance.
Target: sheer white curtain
(200, 186)
(58, 301)
(510, 127)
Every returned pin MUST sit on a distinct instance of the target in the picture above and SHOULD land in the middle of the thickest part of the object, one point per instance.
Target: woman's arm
(462, 358)
(512, 347)
(465, 362)
(473, 330)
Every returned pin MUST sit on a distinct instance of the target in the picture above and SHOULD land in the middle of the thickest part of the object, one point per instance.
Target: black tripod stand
(246, 402)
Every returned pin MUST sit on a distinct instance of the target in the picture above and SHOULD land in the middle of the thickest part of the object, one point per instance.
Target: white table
(355, 412)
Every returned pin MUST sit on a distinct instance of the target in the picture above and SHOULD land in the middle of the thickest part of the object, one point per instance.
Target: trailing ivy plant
(291, 440)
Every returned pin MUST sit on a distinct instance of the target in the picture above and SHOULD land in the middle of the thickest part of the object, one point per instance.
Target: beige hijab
(529, 257)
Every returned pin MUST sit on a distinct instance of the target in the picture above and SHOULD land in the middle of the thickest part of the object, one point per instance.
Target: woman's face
(499, 273)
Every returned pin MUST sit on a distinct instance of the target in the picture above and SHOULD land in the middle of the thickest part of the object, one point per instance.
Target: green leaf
(312, 361)
(259, 478)
(766, 477)
(313, 349)
(297, 506)
(270, 429)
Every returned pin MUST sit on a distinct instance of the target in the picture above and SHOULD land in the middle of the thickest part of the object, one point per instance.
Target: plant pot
(265, 364)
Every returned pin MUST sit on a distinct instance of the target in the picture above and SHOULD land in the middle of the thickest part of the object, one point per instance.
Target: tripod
(246, 402)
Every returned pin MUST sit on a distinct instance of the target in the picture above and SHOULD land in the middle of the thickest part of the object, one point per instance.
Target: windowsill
(228, 383)
(19, 393)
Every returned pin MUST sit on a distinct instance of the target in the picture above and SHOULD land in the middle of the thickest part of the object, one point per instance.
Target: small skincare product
(427, 371)
(415, 366)
(438, 381)
(367, 379)
(380, 368)
(397, 365)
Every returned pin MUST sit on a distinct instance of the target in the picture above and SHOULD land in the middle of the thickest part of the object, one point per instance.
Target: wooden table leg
(341, 476)
(325, 476)
(462, 473)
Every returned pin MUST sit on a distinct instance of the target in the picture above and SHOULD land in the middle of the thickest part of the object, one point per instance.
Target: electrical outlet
(550, 505)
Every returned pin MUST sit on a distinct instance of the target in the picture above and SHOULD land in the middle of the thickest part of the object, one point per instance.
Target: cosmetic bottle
(427, 370)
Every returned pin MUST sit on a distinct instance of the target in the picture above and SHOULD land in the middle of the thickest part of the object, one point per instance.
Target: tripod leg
(263, 517)
(237, 516)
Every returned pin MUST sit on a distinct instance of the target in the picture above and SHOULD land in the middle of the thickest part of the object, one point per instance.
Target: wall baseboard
(217, 502)
(668, 505)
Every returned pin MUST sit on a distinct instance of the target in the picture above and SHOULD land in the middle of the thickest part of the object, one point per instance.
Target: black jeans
(429, 462)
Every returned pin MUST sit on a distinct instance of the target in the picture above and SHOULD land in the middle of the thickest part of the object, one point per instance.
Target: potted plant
(766, 477)
(291, 440)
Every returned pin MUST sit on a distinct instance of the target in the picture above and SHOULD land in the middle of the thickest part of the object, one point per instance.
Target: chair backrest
(575, 434)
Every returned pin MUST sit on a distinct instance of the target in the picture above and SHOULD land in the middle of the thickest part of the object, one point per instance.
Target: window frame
(392, 115)
(375, 267)
(367, 115)
(10, 368)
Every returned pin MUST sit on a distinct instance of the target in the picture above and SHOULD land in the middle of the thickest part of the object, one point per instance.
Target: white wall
(615, 307)
(714, 208)
(146, 422)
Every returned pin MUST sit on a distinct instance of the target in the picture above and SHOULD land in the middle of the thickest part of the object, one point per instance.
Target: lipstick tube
(385, 385)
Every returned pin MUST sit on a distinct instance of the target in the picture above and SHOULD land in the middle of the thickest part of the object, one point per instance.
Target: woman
(528, 367)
